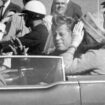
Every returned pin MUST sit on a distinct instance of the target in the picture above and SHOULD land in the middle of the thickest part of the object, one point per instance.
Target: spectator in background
(8, 6)
(17, 27)
(6, 11)
(35, 40)
(67, 8)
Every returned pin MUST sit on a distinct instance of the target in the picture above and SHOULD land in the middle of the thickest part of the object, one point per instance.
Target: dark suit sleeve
(78, 11)
(31, 39)
(73, 10)
(36, 38)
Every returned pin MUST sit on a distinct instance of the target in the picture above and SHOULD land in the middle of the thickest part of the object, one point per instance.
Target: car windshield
(32, 70)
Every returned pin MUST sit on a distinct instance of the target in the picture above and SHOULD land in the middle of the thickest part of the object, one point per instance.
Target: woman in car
(69, 38)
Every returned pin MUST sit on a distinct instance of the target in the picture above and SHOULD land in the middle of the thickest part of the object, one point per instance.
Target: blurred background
(87, 5)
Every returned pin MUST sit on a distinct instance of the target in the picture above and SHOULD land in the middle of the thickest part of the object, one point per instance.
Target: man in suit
(6, 11)
(7, 7)
(67, 8)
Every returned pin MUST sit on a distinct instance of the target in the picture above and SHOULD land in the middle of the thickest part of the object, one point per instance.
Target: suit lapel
(6, 10)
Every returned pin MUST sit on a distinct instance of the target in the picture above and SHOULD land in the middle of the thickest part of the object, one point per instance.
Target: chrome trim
(93, 81)
(30, 56)
(44, 86)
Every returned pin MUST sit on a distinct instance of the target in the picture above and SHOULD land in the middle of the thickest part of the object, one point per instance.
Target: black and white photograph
(52, 52)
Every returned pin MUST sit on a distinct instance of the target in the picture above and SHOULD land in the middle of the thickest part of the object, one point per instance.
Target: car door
(92, 89)
(57, 94)
(38, 81)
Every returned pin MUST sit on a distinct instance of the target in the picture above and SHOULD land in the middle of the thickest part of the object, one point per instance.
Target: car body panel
(93, 94)
(26, 85)
(57, 94)
(92, 89)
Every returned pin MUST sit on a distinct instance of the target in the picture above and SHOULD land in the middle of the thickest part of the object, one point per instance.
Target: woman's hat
(93, 27)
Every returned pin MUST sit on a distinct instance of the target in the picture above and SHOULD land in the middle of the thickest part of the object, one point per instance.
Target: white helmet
(36, 7)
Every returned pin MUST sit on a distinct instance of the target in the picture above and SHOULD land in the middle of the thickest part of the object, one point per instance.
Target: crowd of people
(65, 32)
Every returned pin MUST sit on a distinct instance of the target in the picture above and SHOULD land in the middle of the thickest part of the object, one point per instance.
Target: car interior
(32, 70)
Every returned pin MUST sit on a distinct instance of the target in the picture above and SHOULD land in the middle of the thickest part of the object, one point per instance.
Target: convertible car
(41, 80)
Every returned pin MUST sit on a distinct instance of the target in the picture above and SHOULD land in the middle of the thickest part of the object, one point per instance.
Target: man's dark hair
(59, 20)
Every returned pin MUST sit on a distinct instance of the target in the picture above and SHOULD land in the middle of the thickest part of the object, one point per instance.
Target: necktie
(1, 10)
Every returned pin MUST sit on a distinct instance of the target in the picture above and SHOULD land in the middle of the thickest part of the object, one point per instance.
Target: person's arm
(28, 40)
(37, 36)
(68, 58)
(85, 63)
(78, 34)
(14, 46)
(31, 39)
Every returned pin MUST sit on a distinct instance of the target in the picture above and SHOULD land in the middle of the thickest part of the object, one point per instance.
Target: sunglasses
(32, 15)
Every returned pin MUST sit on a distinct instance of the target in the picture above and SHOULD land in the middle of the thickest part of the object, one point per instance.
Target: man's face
(62, 38)
(60, 6)
(28, 20)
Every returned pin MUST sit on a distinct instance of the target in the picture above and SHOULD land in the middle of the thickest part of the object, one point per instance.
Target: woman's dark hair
(90, 43)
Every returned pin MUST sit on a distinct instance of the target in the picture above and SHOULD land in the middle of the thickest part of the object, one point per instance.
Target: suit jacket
(11, 7)
(73, 10)
(35, 40)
